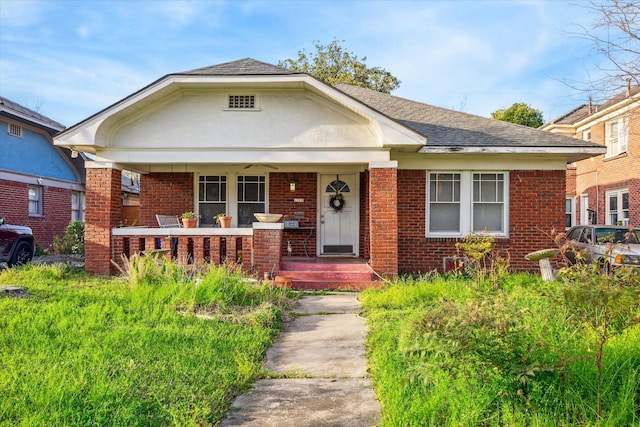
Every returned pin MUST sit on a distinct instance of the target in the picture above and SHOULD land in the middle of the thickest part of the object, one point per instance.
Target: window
(463, 202)
(444, 202)
(569, 212)
(617, 135)
(251, 198)
(77, 206)
(15, 130)
(35, 200)
(212, 198)
(617, 207)
(242, 102)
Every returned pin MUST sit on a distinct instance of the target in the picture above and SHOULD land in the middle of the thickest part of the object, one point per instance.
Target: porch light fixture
(292, 185)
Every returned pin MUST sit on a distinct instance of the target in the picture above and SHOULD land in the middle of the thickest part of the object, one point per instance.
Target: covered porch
(311, 227)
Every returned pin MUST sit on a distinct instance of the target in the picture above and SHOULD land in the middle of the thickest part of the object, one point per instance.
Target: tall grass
(449, 352)
(130, 352)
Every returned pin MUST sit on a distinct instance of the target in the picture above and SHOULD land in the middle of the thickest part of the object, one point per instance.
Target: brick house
(604, 189)
(41, 185)
(245, 137)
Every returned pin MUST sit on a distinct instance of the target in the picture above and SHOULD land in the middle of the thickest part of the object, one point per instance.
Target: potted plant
(190, 219)
(223, 220)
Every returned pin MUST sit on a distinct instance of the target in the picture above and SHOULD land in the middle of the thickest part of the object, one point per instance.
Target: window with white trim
(569, 212)
(617, 136)
(463, 202)
(212, 198)
(617, 206)
(77, 205)
(251, 198)
(586, 135)
(15, 130)
(35, 200)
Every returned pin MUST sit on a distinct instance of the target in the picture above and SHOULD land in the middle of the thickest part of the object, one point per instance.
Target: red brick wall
(104, 212)
(597, 200)
(281, 201)
(165, 193)
(536, 206)
(265, 259)
(56, 210)
(383, 190)
(365, 249)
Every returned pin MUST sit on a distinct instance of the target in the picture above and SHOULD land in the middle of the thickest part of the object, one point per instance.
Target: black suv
(16, 244)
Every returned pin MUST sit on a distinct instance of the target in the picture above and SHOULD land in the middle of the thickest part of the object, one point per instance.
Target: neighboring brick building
(41, 185)
(604, 189)
(362, 174)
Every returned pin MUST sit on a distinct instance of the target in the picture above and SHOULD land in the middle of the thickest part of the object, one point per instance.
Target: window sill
(615, 157)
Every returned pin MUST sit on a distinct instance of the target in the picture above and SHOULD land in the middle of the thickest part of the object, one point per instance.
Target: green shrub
(72, 242)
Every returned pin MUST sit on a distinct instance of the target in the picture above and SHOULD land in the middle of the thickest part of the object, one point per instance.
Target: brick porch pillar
(383, 217)
(103, 212)
(267, 241)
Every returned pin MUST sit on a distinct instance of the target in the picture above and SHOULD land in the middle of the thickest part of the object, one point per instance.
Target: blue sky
(70, 59)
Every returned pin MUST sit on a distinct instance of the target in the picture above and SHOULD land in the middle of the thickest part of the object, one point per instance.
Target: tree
(615, 34)
(521, 114)
(333, 65)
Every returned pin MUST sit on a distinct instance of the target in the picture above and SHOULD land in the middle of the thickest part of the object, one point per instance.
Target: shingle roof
(583, 111)
(246, 66)
(11, 108)
(443, 127)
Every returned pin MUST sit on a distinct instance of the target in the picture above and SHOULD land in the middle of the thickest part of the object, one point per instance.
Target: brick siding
(536, 207)
(281, 201)
(165, 193)
(56, 210)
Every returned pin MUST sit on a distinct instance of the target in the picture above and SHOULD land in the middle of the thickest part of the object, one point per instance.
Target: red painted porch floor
(328, 273)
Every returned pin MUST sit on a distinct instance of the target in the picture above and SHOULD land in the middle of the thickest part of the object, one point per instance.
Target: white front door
(338, 218)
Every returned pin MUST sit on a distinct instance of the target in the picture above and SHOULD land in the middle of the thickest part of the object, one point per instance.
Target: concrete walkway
(321, 354)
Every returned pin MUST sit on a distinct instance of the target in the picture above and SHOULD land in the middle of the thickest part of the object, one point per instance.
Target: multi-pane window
(444, 202)
(488, 202)
(463, 202)
(35, 200)
(251, 198)
(617, 135)
(618, 207)
(77, 206)
(212, 198)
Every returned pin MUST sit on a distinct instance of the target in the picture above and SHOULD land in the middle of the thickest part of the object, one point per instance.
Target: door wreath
(336, 202)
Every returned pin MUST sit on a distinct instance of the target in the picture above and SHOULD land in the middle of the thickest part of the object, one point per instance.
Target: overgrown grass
(161, 348)
(452, 352)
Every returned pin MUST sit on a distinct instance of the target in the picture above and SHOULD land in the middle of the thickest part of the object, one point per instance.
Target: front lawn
(521, 352)
(161, 349)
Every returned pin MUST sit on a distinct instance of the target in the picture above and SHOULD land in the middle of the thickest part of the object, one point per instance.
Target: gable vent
(242, 102)
(15, 130)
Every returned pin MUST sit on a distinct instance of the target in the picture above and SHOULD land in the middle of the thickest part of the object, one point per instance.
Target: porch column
(383, 217)
(267, 242)
(103, 212)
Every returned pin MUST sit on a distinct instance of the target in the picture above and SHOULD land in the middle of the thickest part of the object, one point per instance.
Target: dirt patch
(14, 292)
(74, 260)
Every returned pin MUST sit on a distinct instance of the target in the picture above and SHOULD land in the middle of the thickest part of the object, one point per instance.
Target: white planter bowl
(267, 217)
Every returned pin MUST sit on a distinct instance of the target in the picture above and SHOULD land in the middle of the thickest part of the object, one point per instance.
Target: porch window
(35, 200)
(618, 207)
(463, 202)
(251, 198)
(212, 198)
